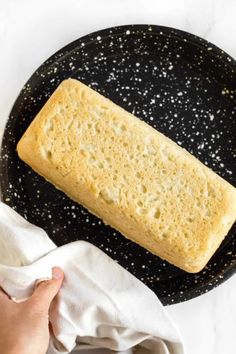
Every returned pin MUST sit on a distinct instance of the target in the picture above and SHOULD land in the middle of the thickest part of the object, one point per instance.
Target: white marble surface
(30, 31)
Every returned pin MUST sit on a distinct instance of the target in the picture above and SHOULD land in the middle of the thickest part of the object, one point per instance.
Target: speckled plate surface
(178, 83)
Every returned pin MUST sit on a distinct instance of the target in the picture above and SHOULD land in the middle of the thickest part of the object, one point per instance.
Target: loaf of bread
(130, 175)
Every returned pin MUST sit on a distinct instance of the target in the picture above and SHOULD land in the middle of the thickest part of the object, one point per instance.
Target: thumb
(47, 290)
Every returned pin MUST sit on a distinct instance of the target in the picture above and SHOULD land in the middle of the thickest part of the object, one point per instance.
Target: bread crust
(133, 177)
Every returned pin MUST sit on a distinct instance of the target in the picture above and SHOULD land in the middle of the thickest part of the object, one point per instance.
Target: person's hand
(24, 327)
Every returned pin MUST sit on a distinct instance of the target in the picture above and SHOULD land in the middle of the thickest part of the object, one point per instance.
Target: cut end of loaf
(133, 177)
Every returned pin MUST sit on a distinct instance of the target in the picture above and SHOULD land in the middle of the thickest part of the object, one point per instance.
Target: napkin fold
(101, 308)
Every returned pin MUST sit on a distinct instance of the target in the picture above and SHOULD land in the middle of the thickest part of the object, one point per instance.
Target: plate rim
(202, 287)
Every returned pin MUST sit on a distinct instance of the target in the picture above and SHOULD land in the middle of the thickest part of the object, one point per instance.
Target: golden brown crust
(133, 177)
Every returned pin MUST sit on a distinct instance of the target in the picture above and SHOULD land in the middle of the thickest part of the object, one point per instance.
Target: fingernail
(57, 273)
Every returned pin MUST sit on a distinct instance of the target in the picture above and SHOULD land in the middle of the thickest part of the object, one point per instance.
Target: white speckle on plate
(201, 146)
(211, 117)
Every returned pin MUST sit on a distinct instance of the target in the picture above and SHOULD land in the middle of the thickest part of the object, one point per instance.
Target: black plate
(178, 83)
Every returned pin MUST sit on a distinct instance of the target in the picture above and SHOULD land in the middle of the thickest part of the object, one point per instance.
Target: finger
(47, 290)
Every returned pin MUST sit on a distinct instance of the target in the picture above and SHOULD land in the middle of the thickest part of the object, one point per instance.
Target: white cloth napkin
(100, 305)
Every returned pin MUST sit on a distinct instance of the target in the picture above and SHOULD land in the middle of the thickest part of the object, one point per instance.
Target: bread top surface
(134, 168)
